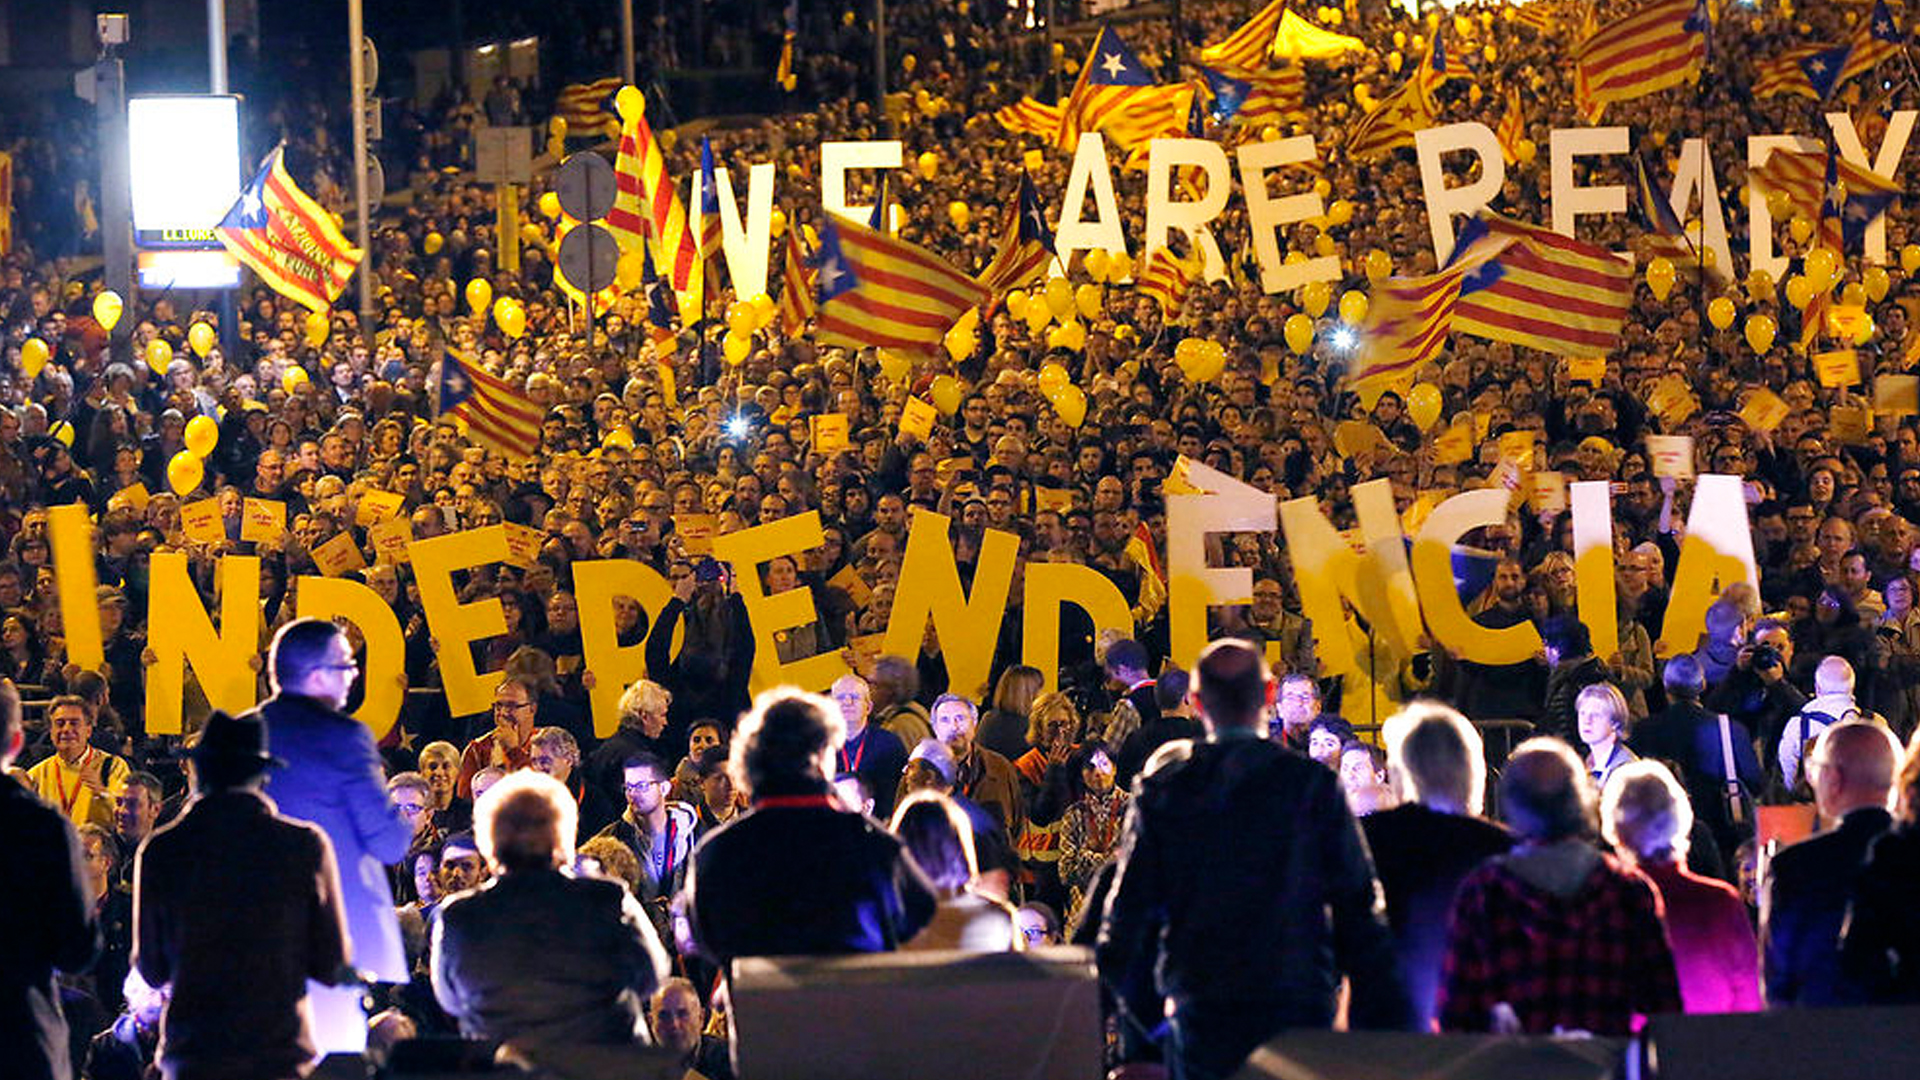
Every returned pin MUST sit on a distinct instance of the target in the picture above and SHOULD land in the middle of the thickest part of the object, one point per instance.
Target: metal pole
(116, 197)
(1174, 75)
(626, 41)
(357, 68)
(217, 46)
(880, 63)
(1053, 66)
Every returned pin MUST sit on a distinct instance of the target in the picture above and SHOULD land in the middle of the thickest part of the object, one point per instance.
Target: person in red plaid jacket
(1556, 935)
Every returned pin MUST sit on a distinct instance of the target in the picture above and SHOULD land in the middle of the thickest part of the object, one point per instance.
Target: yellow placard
(1670, 456)
(338, 556)
(1548, 493)
(946, 470)
(1845, 321)
(696, 532)
(1454, 445)
(1896, 395)
(830, 433)
(1482, 425)
(375, 505)
(917, 417)
(201, 521)
(263, 520)
(1517, 447)
(1059, 499)
(1587, 369)
(1841, 367)
(523, 544)
(866, 648)
(133, 496)
(1764, 410)
(1352, 437)
(390, 539)
(849, 581)
(1849, 424)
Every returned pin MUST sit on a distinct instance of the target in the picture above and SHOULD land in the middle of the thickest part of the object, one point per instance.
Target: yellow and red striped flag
(1115, 96)
(1168, 279)
(281, 234)
(647, 208)
(1391, 124)
(1656, 47)
(877, 289)
(588, 107)
(1026, 244)
(1406, 326)
(1540, 289)
(496, 415)
(1247, 51)
(1539, 15)
(1787, 73)
(1802, 175)
(1874, 40)
(796, 288)
(1030, 117)
(1513, 127)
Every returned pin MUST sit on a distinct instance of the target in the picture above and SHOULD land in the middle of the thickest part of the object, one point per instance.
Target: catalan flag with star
(1823, 184)
(1167, 278)
(1248, 50)
(1660, 45)
(1116, 96)
(797, 303)
(1874, 40)
(497, 416)
(709, 205)
(1541, 290)
(1026, 244)
(281, 234)
(1029, 116)
(1392, 122)
(879, 290)
(1408, 322)
(1806, 70)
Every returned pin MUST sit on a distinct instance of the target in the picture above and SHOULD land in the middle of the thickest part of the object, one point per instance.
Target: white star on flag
(1114, 65)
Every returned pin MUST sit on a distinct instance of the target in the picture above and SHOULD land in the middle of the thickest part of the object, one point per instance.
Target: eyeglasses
(410, 808)
(642, 786)
(511, 706)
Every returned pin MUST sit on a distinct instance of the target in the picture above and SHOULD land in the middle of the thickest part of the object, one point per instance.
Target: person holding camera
(1755, 693)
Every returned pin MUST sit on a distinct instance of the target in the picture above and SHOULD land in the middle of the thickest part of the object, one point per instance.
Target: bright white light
(183, 159)
(1344, 338)
(738, 427)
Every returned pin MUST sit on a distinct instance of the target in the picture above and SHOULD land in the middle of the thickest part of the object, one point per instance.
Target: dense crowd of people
(1006, 814)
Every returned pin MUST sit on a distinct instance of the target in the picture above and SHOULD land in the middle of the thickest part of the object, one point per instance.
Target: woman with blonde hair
(1047, 787)
(1601, 713)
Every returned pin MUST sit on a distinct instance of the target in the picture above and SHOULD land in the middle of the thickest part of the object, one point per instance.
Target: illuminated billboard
(184, 163)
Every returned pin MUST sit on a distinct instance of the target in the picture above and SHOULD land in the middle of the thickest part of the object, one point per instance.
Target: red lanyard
(79, 782)
(795, 802)
(858, 753)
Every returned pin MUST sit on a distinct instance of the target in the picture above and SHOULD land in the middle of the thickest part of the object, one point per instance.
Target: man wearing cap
(237, 907)
(333, 779)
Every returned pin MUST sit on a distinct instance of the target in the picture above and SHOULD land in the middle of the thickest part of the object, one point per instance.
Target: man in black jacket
(1851, 769)
(44, 906)
(1243, 878)
(849, 886)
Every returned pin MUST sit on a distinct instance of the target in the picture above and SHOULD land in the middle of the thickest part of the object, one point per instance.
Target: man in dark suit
(44, 906)
(239, 909)
(333, 779)
(1808, 885)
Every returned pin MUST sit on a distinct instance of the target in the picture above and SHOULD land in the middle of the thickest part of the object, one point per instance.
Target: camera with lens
(1765, 656)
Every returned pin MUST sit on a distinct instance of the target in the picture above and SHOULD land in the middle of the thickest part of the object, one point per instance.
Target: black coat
(1422, 856)
(803, 879)
(1809, 886)
(1881, 950)
(1243, 871)
(877, 757)
(50, 927)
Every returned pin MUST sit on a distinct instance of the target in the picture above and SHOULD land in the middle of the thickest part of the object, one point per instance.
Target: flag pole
(357, 70)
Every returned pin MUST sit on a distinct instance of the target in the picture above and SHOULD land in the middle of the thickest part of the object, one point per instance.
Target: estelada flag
(497, 415)
(281, 234)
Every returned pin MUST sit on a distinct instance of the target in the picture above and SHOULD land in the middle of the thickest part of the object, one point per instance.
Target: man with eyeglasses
(659, 831)
(507, 746)
(333, 779)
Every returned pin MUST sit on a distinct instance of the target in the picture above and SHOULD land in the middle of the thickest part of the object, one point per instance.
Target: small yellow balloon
(33, 357)
(1760, 332)
(1910, 258)
(318, 326)
(479, 295)
(1119, 266)
(1395, 60)
(1853, 294)
(777, 223)
(959, 213)
(1526, 151)
(513, 321)
(895, 365)
(1760, 286)
(201, 339)
(1071, 404)
(1800, 228)
(1720, 312)
(550, 205)
(159, 355)
(1059, 298)
(293, 379)
(1038, 315)
(928, 163)
(202, 435)
(909, 62)
(106, 310)
(1423, 405)
(530, 234)
(1779, 204)
(630, 103)
(1660, 277)
(1799, 291)
(1877, 282)
(960, 343)
(1315, 296)
(1299, 333)
(1017, 304)
(1353, 307)
(1086, 299)
(1097, 262)
(1864, 331)
(1053, 376)
(184, 472)
(740, 317)
(432, 243)
(945, 392)
(1378, 265)
(1822, 264)
(735, 347)
(764, 309)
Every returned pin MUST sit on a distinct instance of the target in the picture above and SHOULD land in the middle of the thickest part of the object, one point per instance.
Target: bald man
(1851, 768)
(1833, 701)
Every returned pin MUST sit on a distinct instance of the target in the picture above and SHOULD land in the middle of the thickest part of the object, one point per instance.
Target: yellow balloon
(1423, 405)
(764, 309)
(1660, 276)
(1071, 404)
(1720, 312)
(1877, 282)
(1087, 300)
(1378, 265)
(1910, 258)
(203, 434)
(895, 365)
(1324, 245)
(1394, 61)
(1760, 286)
(909, 62)
(201, 339)
(1800, 228)
(929, 163)
(1017, 304)
(1315, 296)
(960, 343)
(959, 213)
(627, 272)
(1059, 298)
(630, 103)
(1822, 264)
(1038, 315)
(1353, 307)
(735, 346)
(318, 326)
(433, 243)
(33, 357)
(159, 355)
(1340, 212)
(479, 295)
(777, 223)
(1779, 204)
(549, 205)
(1799, 291)
(1097, 263)
(1853, 294)
(530, 234)
(1864, 333)
(1053, 377)
(293, 379)
(740, 317)
(1760, 332)
(1525, 150)
(1119, 266)
(1073, 334)
(1299, 332)
(184, 472)
(945, 392)
(106, 310)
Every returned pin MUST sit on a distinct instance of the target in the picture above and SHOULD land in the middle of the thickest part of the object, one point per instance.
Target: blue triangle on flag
(835, 275)
(1114, 64)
